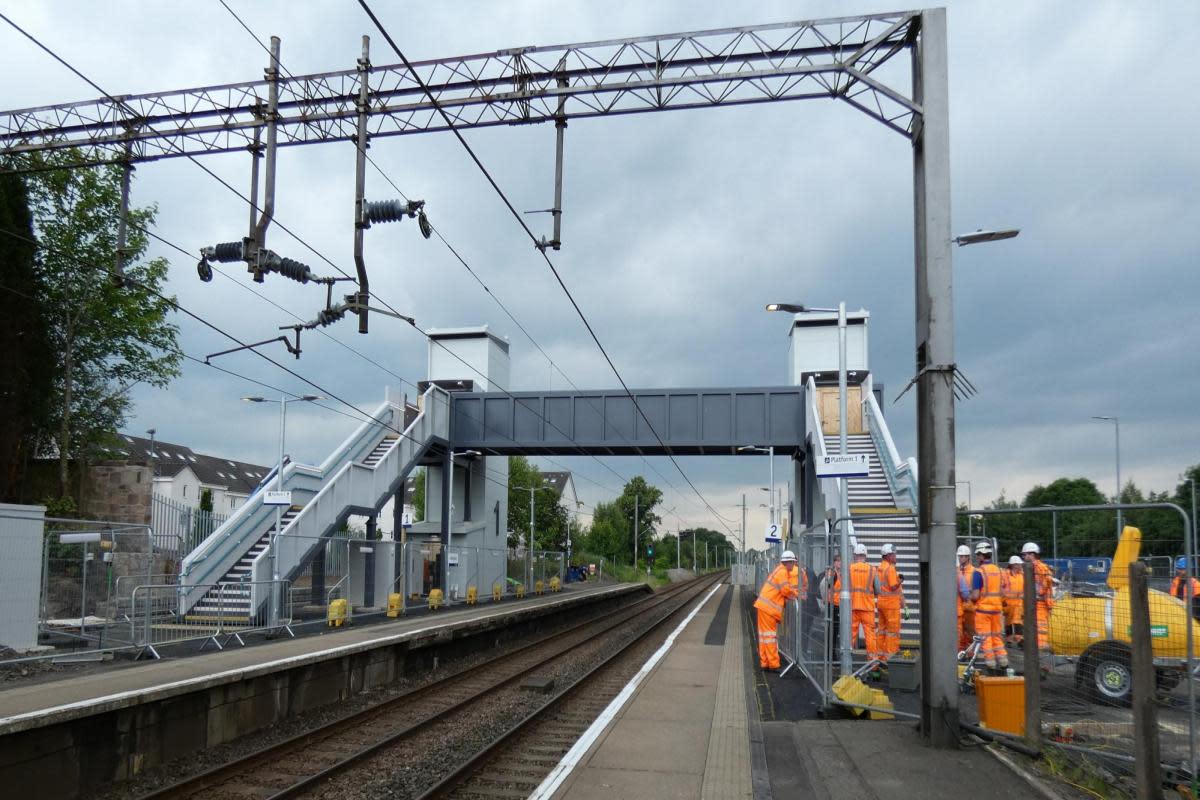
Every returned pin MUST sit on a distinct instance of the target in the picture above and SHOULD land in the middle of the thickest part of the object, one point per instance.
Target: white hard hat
(963, 550)
(1015, 560)
(788, 555)
(887, 550)
(860, 549)
(1030, 547)
(983, 547)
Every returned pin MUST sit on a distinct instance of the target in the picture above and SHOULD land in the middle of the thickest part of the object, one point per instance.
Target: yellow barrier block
(850, 689)
(538, 587)
(395, 607)
(472, 595)
(555, 584)
(336, 615)
(520, 590)
(497, 592)
(435, 599)
(879, 699)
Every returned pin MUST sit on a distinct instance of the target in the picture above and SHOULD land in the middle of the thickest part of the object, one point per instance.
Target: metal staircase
(357, 478)
(889, 488)
(872, 495)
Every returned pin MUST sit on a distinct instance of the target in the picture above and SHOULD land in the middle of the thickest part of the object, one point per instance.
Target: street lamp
(271, 541)
(978, 236)
(450, 522)
(529, 539)
(1117, 425)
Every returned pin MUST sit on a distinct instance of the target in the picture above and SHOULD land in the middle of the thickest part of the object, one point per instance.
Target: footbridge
(640, 422)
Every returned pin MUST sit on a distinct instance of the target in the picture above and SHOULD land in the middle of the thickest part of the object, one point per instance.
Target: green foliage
(549, 517)
(206, 500)
(612, 523)
(419, 496)
(26, 356)
(107, 336)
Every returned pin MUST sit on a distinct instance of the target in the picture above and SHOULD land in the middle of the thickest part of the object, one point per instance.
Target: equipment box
(1001, 704)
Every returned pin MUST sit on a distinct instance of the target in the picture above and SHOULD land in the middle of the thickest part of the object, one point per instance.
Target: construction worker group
(990, 602)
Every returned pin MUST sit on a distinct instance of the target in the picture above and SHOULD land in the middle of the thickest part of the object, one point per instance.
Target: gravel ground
(410, 767)
(162, 775)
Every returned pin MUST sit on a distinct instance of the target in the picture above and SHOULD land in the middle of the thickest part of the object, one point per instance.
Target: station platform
(684, 732)
(699, 725)
(94, 727)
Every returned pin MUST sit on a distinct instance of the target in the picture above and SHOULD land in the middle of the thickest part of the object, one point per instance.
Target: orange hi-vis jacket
(777, 589)
(991, 598)
(1178, 588)
(864, 586)
(1044, 581)
(965, 577)
(891, 590)
(1014, 589)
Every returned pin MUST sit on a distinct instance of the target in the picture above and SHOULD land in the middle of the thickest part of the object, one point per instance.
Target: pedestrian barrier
(160, 616)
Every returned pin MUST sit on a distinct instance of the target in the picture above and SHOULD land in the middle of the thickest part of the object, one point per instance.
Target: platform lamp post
(532, 523)
(272, 544)
(1117, 426)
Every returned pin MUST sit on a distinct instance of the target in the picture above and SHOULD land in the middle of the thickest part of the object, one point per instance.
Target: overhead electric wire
(328, 261)
(533, 238)
(383, 173)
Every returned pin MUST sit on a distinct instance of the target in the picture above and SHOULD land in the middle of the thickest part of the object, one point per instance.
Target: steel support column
(935, 387)
(447, 522)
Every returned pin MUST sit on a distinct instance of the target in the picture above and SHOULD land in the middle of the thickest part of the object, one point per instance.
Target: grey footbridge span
(661, 422)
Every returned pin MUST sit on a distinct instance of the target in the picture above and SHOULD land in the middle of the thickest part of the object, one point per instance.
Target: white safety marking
(267, 665)
(563, 768)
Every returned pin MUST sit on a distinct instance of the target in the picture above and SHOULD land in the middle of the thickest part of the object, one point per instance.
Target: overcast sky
(1075, 122)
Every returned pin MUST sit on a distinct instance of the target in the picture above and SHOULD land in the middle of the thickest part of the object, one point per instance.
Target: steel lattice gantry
(833, 58)
(857, 60)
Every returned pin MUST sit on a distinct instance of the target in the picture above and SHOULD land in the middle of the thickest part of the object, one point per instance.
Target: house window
(231, 502)
(185, 490)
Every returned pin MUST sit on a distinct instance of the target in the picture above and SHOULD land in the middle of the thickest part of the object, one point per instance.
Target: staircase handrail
(829, 488)
(900, 474)
(210, 555)
(305, 530)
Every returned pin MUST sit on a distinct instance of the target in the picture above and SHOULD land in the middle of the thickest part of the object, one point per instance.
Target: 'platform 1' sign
(850, 465)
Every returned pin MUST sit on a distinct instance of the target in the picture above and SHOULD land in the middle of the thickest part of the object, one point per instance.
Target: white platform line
(573, 756)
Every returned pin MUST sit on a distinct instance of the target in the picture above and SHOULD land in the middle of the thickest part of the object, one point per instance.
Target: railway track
(513, 765)
(302, 765)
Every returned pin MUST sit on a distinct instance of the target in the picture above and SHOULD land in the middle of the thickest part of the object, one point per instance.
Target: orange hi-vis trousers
(865, 620)
(768, 640)
(1043, 625)
(887, 635)
(989, 626)
(966, 627)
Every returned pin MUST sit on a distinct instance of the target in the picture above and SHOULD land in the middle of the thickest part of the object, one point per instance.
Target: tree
(26, 357)
(550, 517)
(611, 534)
(107, 335)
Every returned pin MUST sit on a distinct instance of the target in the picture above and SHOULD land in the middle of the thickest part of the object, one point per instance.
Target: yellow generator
(1094, 626)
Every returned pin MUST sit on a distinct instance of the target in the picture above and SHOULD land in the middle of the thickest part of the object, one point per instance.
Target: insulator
(227, 252)
(290, 268)
(329, 316)
(392, 210)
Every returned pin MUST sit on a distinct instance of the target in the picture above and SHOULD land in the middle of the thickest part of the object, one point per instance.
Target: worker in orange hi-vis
(864, 588)
(966, 608)
(890, 605)
(987, 592)
(781, 585)
(1185, 589)
(1014, 601)
(1044, 588)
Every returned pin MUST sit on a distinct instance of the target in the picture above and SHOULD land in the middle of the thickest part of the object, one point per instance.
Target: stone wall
(117, 493)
